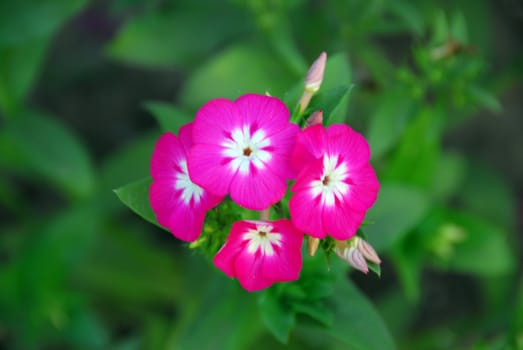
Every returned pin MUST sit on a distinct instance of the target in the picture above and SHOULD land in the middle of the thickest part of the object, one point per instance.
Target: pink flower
(243, 148)
(336, 185)
(260, 253)
(179, 204)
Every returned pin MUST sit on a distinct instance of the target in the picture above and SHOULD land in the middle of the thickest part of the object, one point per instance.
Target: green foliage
(37, 144)
(79, 271)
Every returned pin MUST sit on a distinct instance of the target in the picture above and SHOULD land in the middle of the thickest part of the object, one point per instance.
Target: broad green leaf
(484, 98)
(38, 144)
(224, 317)
(458, 27)
(19, 66)
(398, 209)
(388, 121)
(236, 71)
(23, 21)
(449, 175)
(408, 15)
(136, 196)
(278, 317)
(484, 251)
(357, 324)
(168, 116)
(407, 257)
(416, 157)
(334, 91)
(184, 36)
(329, 101)
(441, 31)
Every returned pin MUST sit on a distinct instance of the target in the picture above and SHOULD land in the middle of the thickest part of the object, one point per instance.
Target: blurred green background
(86, 87)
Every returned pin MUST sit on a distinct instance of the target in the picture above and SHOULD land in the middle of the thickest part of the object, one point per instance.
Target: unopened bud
(315, 74)
(315, 118)
(352, 256)
(312, 245)
(367, 251)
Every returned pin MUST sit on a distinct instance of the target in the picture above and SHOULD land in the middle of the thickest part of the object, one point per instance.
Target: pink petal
(306, 211)
(310, 145)
(225, 257)
(342, 140)
(185, 137)
(285, 265)
(208, 169)
(257, 191)
(248, 271)
(214, 120)
(341, 222)
(166, 158)
(264, 112)
(184, 221)
(281, 147)
(363, 189)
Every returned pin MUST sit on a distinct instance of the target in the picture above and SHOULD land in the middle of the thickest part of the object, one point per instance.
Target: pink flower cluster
(248, 149)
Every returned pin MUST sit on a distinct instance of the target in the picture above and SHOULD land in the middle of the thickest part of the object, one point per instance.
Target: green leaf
(388, 121)
(420, 145)
(224, 317)
(19, 66)
(161, 39)
(328, 101)
(168, 116)
(407, 14)
(278, 317)
(36, 143)
(236, 71)
(449, 175)
(136, 196)
(458, 27)
(356, 323)
(485, 251)
(398, 209)
(484, 98)
(23, 21)
(334, 91)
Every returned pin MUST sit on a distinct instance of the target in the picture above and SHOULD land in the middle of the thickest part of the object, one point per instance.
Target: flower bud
(367, 251)
(315, 74)
(352, 256)
(312, 245)
(315, 118)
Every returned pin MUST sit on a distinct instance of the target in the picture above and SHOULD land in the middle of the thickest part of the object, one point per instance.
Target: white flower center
(262, 239)
(331, 185)
(189, 188)
(245, 149)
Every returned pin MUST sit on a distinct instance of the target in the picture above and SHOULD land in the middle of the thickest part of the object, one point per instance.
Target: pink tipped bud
(352, 256)
(315, 74)
(315, 118)
(312, 245)
(367, 251)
